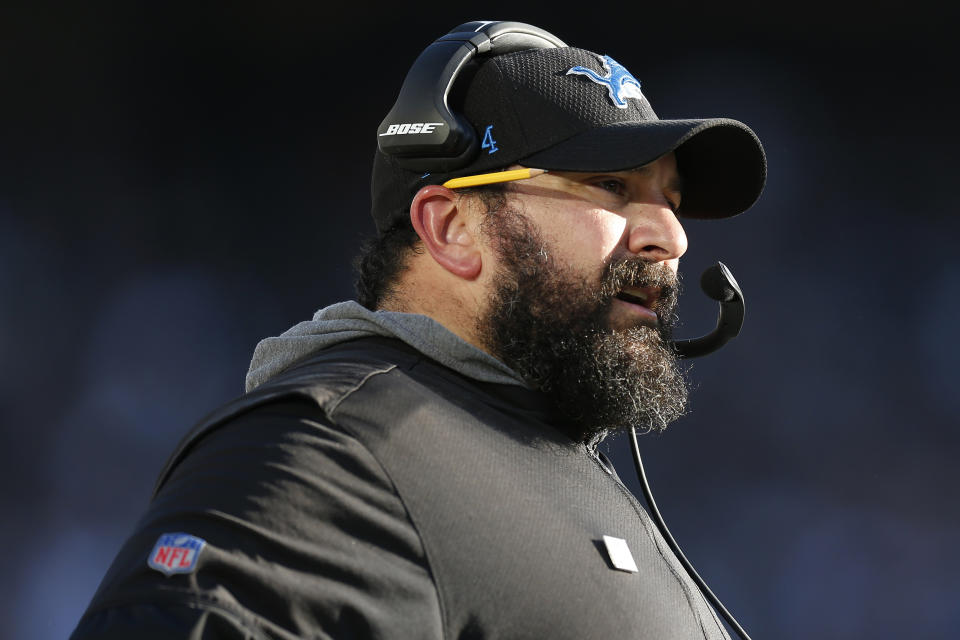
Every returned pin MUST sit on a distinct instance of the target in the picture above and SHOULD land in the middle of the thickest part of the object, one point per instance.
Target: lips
(643, 296)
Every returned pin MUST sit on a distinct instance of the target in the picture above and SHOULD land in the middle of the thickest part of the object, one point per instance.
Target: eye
(613, 185)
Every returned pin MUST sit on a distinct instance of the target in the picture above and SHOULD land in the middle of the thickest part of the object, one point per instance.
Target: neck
(454, 304)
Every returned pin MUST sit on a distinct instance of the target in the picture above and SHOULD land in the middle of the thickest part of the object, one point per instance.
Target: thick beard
(552, 326)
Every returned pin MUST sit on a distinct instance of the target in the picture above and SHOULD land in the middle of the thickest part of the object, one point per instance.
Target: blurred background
(178, 181)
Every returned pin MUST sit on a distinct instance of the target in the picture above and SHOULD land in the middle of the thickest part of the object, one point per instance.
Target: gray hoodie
(349, 320)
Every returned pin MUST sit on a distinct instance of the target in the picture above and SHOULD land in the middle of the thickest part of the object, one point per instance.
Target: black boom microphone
(718, 283)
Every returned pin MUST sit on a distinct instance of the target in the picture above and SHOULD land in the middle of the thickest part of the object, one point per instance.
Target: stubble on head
(551, 325)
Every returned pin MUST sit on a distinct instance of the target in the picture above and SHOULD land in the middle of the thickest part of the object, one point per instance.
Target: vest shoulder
(323, 379)
(327, 376)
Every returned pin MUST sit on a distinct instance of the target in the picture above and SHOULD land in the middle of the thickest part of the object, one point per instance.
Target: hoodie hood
(350, 320)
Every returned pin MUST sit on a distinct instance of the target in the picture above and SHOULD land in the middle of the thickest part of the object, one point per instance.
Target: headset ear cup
(422, 106)
(421, 132)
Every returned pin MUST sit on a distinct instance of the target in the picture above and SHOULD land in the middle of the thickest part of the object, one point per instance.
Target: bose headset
(424, 97)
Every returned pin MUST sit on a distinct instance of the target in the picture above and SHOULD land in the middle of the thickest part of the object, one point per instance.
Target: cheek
(594, 235)
(581, 235)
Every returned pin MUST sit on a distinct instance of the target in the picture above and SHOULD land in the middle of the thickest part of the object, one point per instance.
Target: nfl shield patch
(176, 553)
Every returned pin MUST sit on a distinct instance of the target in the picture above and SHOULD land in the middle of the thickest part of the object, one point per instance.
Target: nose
(655, 233)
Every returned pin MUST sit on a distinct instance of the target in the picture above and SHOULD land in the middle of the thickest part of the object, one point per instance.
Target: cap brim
(721, 161)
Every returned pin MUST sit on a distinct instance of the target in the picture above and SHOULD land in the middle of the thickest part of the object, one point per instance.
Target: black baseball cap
(568, 109)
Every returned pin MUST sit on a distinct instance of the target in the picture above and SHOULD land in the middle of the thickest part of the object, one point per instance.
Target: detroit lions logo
(620, 84)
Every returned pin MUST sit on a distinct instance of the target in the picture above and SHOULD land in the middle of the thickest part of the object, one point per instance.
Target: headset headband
(421, 132)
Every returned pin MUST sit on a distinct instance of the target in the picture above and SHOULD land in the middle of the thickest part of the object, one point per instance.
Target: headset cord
(662, 526)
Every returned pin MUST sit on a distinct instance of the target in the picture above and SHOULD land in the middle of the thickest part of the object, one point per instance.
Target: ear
(446, 231)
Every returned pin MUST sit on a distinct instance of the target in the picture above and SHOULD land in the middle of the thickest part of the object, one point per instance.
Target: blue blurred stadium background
(178, 181)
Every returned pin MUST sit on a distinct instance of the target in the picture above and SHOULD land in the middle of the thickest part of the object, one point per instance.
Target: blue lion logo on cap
(620, 84)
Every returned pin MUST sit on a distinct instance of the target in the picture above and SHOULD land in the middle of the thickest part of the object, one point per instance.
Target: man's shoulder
(330, 374)
(319, 383)
(327, 376)
(285, 502)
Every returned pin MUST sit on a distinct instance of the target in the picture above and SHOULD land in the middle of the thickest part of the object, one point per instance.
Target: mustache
(638, 272)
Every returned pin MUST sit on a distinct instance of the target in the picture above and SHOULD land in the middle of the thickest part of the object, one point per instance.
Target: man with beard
(422, 462)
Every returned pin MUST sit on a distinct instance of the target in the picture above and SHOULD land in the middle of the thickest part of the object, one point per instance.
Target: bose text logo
(411, 127)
